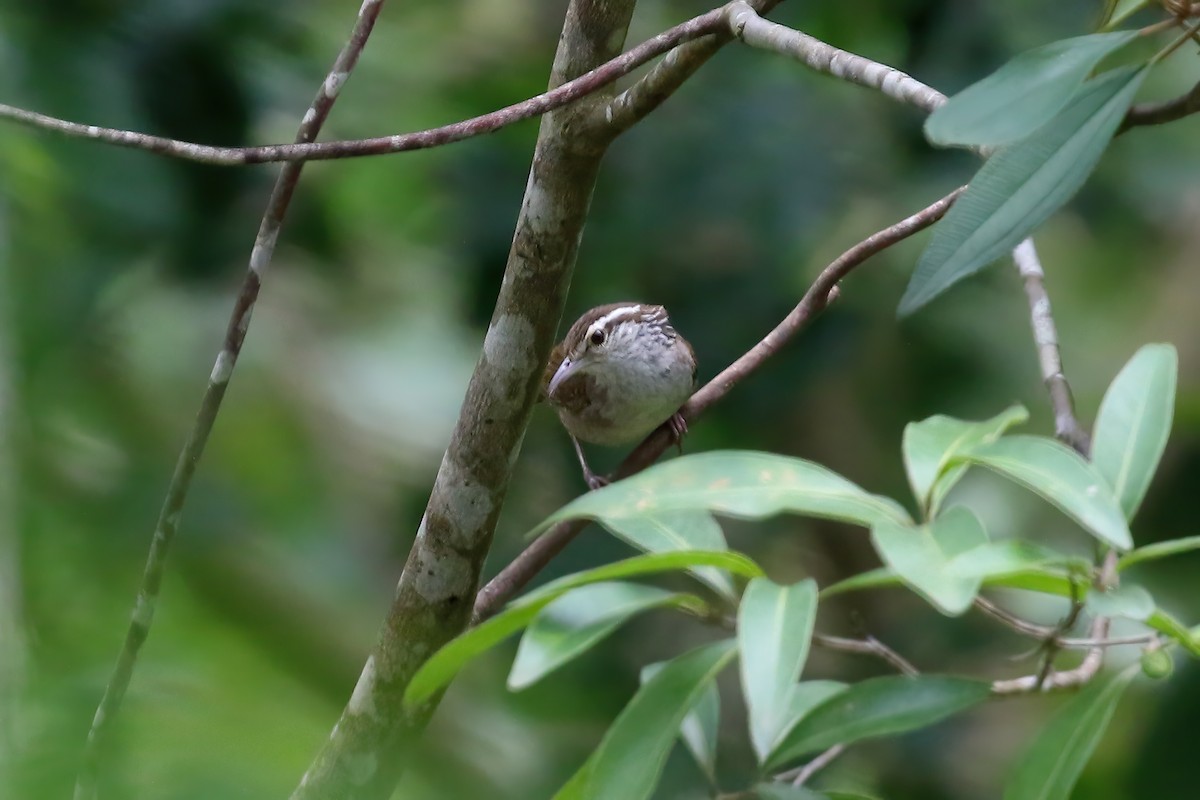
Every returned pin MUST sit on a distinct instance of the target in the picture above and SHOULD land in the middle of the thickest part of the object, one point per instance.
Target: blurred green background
(117, 274)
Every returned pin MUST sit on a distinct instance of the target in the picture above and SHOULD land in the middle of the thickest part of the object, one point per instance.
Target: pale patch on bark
(222, 368)
(467, 508)
(442, 576)
(508, 346)
(361, 766)
(362, 701)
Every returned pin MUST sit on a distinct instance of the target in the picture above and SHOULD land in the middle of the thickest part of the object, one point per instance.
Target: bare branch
(586, 84)
(218, 382)
(802, 774)
(369, 746)
(869, 646)
(651, 91)
(534, 558)
(747, 25)
(1161, 113)
(1045, 337)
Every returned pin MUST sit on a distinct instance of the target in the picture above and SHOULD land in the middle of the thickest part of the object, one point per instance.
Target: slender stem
(869, 646)
(1163, 112)
(1045, 338)
(189, 457)
(817, 764)
(307, 150)
(534, 558)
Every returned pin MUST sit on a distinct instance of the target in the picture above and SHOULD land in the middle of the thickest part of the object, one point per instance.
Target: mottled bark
(365, 754)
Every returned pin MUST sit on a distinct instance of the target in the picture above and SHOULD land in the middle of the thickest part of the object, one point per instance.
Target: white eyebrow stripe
(612, 315)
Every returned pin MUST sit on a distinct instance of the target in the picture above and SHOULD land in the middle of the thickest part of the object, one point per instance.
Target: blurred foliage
(117, 272)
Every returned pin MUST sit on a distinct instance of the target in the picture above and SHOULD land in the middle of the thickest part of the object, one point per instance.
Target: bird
(621, 371)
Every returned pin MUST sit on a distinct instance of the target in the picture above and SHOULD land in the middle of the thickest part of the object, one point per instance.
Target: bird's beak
(565, 370)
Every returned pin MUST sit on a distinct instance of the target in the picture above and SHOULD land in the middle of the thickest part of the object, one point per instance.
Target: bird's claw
(677, 427)
(595, 481)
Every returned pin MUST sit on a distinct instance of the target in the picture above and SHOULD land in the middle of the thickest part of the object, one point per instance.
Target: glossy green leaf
(806, 696)
(1127, 600)
(700, 727)
(441, 668)
(1011, 560)
(733, 483)
(580, 619)
(1023, 95)
(879, 707)
(1060, 475)
(673, 531)
(1058, 755)
(1159, 550)
(921, 557)
(775, 625)
(699, 730)
(1020, 186)
(929, 446)
(1134, 422)
(1117, 11)
(630, 758)
(1164, 623)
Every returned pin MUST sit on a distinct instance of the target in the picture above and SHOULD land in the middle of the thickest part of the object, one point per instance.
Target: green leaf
(1120, 10)
(1134, 422)
(699, 730)
(879, 707)
(700, 727)
(630, 758)
(1126, 600)
(1020, 186)
(1011, 560)
(1023, 95)
(929, 446)
(443, 665)
(578, 620)
(921, 557)
(733, 483)
(1058, 755)
(775, 625)
(673, 531)
(1163, 622)
(1060, 475)
(1159, 550)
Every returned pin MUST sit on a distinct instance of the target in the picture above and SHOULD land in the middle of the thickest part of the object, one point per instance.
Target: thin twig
(307, 150)
(870, 646)
(534, 558)
(747, 25)
(1045, 337)
(799, 776)
(1163, 112)
(218, 382)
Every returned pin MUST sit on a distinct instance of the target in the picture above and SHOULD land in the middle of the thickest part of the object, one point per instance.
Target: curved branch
(307, 150)
(218, 382)
(534, 558)
(1161, 113)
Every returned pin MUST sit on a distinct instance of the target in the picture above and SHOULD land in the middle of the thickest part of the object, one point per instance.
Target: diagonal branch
(369, 746)
(534, 558)
(1045, 338)
(218, 382)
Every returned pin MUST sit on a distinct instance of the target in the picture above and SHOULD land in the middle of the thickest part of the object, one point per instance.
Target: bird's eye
(597, 338)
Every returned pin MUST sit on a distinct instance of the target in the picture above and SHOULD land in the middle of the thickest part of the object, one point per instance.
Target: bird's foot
(595, 481)
(677, 427)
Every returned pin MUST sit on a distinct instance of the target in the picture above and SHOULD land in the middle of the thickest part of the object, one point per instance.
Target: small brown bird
(620, 372)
